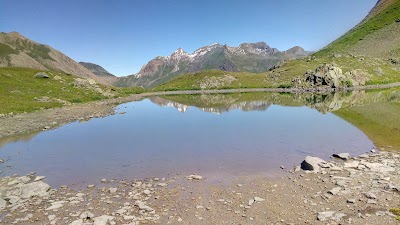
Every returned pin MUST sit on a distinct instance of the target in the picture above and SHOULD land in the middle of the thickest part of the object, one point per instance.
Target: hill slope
(100, 72)
(248, 57)
(378, 35)
(19, 51)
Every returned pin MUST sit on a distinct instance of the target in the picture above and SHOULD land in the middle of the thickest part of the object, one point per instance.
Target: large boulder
(312, 163)
(326, 75)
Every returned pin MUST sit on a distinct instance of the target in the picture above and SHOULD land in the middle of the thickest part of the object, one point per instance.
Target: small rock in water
(39, 178)
(91, 186)
(162, 184)
(103, 180)
(344, 156)
(147, 192)
(1, 160)
(194, 177)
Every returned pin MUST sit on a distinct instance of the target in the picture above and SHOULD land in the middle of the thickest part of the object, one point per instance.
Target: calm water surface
(159, 137)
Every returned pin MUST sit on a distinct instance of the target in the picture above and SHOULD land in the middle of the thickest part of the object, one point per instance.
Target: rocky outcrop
(326, 75)
(329, 75)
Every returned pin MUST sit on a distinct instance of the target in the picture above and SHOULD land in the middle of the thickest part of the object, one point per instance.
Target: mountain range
(247, 57)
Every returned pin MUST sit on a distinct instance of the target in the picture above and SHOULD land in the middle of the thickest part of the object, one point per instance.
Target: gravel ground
(360, 190)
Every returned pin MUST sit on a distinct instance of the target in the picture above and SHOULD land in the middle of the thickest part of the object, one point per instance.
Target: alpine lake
(239, 134)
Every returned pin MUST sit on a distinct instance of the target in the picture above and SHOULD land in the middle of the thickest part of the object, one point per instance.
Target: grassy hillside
(386, 13)
(21, 92)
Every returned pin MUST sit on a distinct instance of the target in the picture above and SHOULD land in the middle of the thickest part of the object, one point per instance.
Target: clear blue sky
(123, 35)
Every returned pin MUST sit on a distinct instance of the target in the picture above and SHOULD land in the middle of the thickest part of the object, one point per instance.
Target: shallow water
(158, 137)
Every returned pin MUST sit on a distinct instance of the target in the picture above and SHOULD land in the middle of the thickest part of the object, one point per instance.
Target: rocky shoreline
(345, 190)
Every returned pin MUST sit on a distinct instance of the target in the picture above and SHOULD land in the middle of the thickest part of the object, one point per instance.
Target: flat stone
(335, 190)
(258, 199)
(86, 215)
(322, 216)
(351, 200)
(344, 156)
(113, 190)
(51, 217)
(102, 220)
(370, 195)
(77, 222)
(251, 201)
(3, 203)
(194, 177)
(392, 187)
(143, 206)
(55, 206)
(353, 164)
(147, 192)
(38, 188)
(39, 178)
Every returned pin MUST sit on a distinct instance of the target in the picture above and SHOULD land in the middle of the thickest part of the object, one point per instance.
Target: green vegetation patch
(396, 211)
(35, 51)
(6, 50)
(21, 92)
